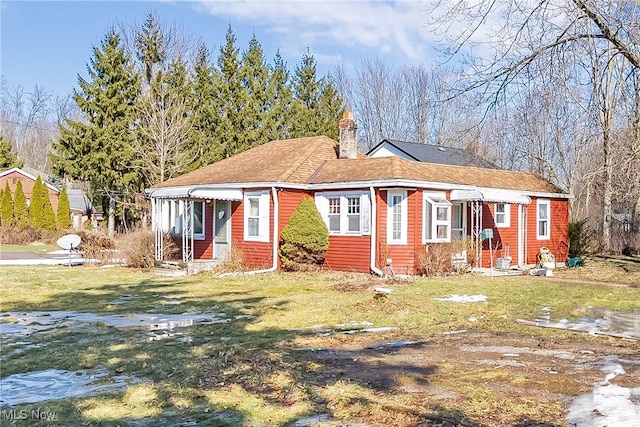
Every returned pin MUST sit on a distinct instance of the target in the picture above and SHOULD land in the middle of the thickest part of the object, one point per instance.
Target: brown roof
(288, 160)
(397, 168)
(314, 160)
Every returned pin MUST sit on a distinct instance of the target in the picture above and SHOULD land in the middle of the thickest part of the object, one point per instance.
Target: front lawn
(280, 353)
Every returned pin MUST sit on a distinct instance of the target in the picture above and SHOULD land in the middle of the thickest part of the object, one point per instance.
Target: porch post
(187, 232)
(156, 226)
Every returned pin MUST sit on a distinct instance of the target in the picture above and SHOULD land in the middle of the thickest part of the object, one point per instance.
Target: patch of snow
(463, 298)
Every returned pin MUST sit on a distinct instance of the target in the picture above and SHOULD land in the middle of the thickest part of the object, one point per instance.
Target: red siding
(403, 257)
(203, 249)
(559, 241)
(254, 254)
(503, 237)
(349, 253)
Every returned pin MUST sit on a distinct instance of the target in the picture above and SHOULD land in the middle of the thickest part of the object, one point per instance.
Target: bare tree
(518, 41)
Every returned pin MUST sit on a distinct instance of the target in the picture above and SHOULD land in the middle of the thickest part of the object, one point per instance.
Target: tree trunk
(112, 217)
(608, 189)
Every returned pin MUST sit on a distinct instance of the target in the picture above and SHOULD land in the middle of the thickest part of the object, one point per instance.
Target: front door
(222, 229)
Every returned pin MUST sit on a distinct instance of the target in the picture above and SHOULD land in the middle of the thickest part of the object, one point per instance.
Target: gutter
(276, 240)
(372, 260)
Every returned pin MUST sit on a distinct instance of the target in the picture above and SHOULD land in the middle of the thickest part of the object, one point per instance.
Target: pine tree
(232, 98)
(20, 208)
(255, 80)
(317, 107)
(151, 47)
(63, 216)
(6, 206)
(203, 140)
(99, 148)
(7, 158)
(280, 98)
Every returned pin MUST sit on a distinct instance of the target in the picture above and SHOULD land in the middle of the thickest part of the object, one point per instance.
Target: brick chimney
(348, 132)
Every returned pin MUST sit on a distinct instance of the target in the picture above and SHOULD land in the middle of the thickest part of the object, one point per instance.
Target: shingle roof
(288, 160)
(438, 154)
(314, 160)
(397, 168)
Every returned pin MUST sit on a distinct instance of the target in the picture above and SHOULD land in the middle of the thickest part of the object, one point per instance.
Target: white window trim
(431, 197)
(539, 203)
(263, 216)
(403, 217)
(322, 204)
(507, 215)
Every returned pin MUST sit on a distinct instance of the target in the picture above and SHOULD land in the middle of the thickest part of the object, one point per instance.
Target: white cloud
(377, 28)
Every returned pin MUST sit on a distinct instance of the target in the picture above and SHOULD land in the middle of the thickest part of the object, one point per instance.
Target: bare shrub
(96, 246)
(436, 260)
(137, 248)
(13, 235)
(233, 263)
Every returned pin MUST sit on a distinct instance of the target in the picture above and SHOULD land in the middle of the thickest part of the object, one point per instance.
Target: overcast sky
(49, 43)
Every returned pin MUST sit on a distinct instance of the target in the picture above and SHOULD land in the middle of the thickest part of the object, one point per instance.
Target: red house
(380, 212)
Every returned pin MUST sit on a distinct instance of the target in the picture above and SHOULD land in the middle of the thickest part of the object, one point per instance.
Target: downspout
(374, 221)
(276, 241)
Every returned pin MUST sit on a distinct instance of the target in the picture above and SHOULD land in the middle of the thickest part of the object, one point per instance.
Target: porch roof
(196, 192)
(490, 195)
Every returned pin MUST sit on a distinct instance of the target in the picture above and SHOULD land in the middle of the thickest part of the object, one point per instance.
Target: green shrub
(305, 239)
(579, 238)
(6, 206)
(63, 216)
(40, 211)
(20, 208)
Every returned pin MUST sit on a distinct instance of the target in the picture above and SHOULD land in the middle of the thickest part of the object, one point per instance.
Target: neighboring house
(429, 153)
(13, 175)
(81, 208)
(79, 204)
(378, 210)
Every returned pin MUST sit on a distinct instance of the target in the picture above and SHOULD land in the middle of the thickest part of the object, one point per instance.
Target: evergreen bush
(305, 239)
(6, 206)
(580, 238)
(63, 216)
(40, 210)
(20, 208)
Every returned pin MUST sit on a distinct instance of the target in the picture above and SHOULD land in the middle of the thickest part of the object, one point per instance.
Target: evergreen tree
(280, 98)
(7, 158)
(63, 216)
(99, 149)
(317, 107)
(36, 205)
(232, 99)
(255, 80)
(6, 206)
(151, 47)
(203, 140)
(20, 208)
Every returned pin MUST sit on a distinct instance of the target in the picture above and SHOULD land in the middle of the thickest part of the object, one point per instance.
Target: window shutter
(365, 214)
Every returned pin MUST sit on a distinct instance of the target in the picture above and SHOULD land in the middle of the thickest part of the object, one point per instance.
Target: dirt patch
(511, 379)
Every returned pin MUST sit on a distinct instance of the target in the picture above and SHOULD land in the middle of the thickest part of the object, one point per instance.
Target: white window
(436, 218)
(197, 220)
(397, 217)
(502, 213)
(345, 213)
(458, 225)
(543, 219)
(256, 216)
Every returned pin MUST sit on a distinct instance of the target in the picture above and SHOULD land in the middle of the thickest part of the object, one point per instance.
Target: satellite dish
(69, 241)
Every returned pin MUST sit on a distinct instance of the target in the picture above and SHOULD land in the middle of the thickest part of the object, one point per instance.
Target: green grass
(247, 371)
